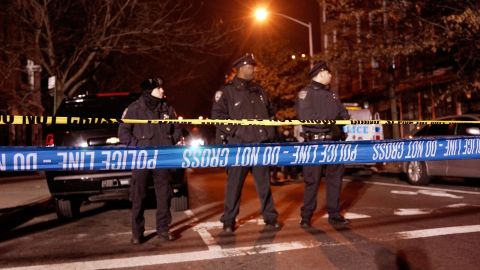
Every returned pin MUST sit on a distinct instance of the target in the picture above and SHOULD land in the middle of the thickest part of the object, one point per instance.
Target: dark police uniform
(138, 135)
(242, 99)
(317, 102)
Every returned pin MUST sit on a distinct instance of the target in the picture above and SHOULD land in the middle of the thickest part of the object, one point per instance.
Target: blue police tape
(123, 158)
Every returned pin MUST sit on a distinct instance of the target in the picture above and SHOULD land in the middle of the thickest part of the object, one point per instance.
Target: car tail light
(378, 137)
(49, 140)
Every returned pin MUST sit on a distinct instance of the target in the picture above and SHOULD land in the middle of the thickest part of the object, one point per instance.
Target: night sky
(191, 83)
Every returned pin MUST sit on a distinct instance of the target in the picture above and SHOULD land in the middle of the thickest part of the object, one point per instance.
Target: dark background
(192, 81)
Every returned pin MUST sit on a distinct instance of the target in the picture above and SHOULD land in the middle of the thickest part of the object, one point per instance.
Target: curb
(4, 179)
(15, 216)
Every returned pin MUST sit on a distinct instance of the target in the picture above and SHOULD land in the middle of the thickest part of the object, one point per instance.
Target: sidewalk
(22, 198)
(21, 190)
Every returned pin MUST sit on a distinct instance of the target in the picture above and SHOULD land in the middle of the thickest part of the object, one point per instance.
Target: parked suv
(71, 188)
(420, 172)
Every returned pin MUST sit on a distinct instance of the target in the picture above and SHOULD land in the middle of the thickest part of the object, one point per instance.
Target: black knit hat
(151, 83)
(319, 66)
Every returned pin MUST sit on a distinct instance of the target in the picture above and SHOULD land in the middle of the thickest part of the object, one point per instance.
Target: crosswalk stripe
(140, 261)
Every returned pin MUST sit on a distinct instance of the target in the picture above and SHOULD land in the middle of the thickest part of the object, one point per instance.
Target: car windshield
(435, 130)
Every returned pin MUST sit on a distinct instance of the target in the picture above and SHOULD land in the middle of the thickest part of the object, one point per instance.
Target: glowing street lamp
(261, 14)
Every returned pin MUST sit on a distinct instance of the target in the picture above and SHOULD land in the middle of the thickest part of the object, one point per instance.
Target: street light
(261, 14)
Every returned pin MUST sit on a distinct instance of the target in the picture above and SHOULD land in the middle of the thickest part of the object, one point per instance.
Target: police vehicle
(70, 188)
(362, 132)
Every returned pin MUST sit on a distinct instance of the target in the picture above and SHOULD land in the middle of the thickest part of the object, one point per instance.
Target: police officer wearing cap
(317, 102)
(151, 104)
(241, 98)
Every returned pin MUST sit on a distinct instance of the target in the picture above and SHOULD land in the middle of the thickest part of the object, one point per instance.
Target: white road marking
(190, 213)
(209, 225)
(81, 235)
(151, 260)
(147, 232)
(349, 215)
(438, 232)
(457, 205)
(434, 193)
(207, 238)
(411, 211)
(403, 192)
(416, 187)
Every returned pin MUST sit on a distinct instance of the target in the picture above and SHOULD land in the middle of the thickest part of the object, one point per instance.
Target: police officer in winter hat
(151, 83)
(317, 67)
(241, 98)
(317, 102)
(247, 59)
(151, 104)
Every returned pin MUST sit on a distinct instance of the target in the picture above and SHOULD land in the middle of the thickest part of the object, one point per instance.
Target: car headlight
(197, 142)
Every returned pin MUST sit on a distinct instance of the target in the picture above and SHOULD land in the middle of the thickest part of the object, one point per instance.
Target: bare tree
(377, 35)
(16, 90)
(69, 39)
(281, 76)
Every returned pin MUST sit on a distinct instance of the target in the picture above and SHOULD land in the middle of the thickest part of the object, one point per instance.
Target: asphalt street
(393, 226)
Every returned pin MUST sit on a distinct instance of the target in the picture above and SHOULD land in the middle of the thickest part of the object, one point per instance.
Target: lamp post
(261, 14)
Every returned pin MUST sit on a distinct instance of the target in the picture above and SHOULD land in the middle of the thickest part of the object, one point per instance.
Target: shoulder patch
(218, 95)
(302, 94)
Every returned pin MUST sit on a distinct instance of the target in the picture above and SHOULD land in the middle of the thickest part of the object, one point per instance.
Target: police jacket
(241, 99)
(316, 102)
(149, 134)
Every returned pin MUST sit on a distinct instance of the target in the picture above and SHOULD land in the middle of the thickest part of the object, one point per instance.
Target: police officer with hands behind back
(151, 104)
(317, 102)
(243, 99)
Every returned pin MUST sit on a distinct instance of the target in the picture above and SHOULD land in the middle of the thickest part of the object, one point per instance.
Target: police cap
(319, 66)
(151, 83)
(247, 59)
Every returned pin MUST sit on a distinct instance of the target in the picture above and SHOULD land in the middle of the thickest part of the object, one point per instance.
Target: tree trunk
(57, 95)
(393, 99)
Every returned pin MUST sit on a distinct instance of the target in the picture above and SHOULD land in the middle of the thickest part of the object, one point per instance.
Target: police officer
(241, 98)
(150, 105)
(317, 102)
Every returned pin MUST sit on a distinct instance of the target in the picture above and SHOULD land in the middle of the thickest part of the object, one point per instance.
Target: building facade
(365, 42)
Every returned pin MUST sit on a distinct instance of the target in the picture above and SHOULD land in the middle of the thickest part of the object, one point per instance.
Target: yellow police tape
(48, 120)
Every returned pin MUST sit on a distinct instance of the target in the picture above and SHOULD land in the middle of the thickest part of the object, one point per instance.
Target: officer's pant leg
(262, 183)
(163, 196)
(333, 176)
(138, 191)
(311, 175)
(233, 191)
